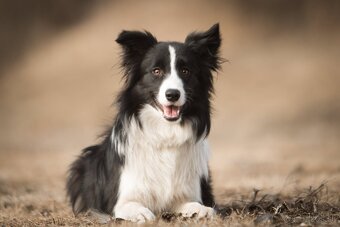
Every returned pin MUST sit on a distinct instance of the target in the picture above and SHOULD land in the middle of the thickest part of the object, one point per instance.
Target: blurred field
(276, 123)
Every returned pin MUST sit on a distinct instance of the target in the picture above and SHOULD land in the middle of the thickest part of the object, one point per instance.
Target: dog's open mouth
(171, 113)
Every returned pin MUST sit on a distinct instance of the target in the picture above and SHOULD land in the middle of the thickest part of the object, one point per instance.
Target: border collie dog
(154, 158)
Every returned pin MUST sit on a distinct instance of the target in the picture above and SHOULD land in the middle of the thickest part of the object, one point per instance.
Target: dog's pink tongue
(171, 111)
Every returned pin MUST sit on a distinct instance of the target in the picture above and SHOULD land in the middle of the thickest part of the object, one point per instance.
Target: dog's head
(174, 78)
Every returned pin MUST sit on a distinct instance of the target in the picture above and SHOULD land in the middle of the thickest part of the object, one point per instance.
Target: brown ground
(276, 123)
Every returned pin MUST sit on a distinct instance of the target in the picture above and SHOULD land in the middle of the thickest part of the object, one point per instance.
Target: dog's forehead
(161, 51)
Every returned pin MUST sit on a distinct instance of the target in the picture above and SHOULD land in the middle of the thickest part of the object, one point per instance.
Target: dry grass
(309, 207)
(25, 204)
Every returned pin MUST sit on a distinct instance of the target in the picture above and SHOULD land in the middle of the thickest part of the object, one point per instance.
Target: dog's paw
(134, 212)
(194, 208)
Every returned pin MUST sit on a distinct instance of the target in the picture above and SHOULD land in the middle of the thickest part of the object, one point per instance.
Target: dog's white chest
(165, 170)
(162, 178)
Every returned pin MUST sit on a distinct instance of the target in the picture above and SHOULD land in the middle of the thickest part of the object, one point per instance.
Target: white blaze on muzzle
(171, 95)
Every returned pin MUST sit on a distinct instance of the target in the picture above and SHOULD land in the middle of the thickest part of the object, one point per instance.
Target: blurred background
(276, 121)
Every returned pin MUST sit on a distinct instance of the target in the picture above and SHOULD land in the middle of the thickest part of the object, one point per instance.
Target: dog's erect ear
(135, 44)
(207, 44)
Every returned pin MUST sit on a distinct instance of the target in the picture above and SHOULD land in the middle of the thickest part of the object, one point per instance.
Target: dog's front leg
(133, 211)
(190, 208)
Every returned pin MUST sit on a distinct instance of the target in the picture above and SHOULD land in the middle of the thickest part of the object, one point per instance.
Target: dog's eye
(157, 72)
(185, 71)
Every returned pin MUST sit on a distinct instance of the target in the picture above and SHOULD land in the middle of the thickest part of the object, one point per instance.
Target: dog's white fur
(172, 181)
(174, 177)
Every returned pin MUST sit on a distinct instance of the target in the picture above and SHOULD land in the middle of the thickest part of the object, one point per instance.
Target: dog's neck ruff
(154, 131)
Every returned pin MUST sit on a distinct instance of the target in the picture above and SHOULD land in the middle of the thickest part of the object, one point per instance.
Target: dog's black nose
(172, 95)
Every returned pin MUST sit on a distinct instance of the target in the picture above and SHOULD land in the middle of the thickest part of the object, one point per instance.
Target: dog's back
(93, 179)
